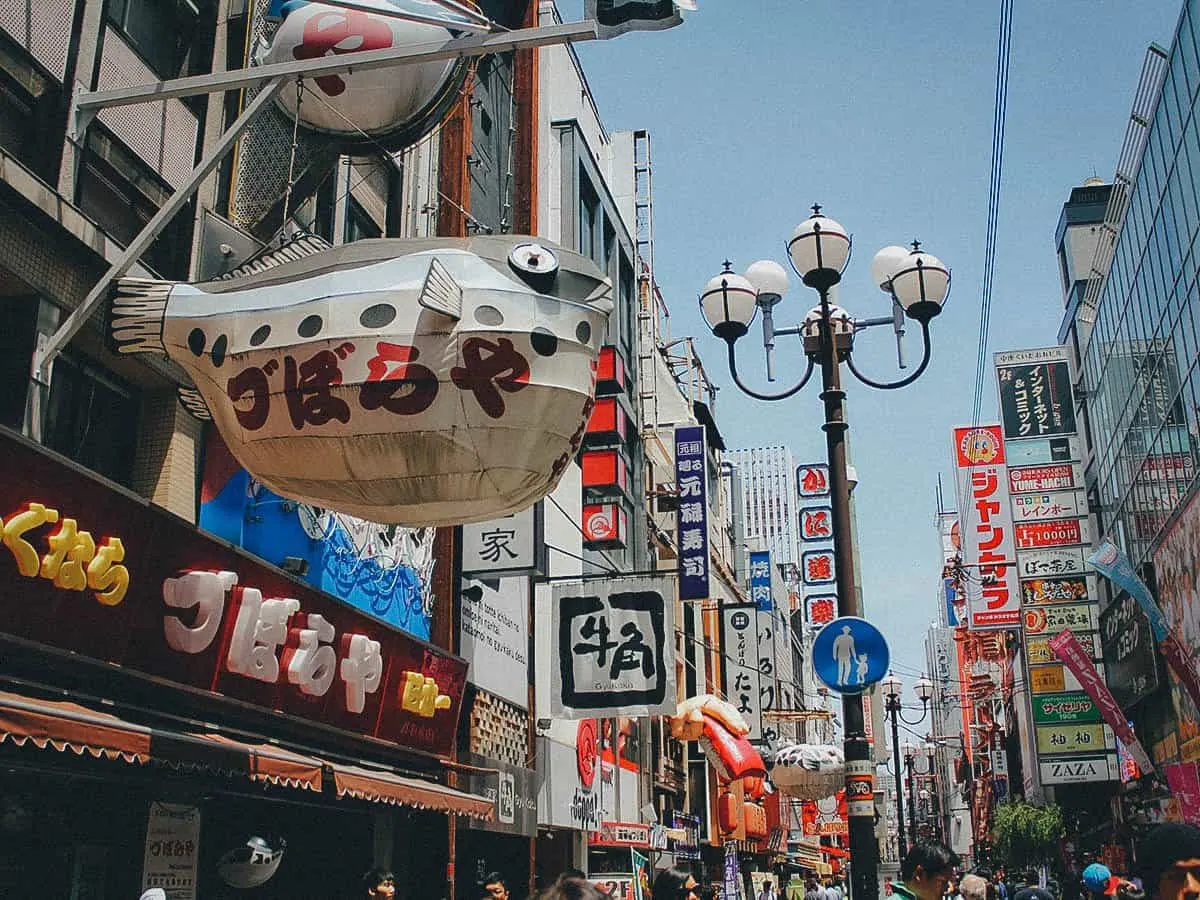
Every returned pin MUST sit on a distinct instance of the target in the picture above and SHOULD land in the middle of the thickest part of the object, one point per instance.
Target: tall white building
(770, 501)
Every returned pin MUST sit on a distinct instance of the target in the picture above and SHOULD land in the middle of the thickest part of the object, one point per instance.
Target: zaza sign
(95, 571)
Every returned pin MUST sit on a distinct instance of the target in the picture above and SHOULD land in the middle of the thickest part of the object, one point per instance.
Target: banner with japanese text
(818, 573)
(986, 531)
(614, 641)
(743, 681)
(691, 479)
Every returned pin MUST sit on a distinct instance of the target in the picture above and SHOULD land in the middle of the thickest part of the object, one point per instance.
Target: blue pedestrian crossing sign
(849, 655)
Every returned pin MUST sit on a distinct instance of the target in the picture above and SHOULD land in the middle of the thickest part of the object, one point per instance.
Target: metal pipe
(893, 708)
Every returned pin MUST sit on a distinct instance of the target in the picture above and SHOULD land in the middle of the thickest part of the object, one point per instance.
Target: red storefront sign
(1058, 533)
(827, 816)
(96, 571)
(621, 834)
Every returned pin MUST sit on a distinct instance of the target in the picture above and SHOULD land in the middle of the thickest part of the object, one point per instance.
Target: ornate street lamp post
(917, 284)
(891, 688)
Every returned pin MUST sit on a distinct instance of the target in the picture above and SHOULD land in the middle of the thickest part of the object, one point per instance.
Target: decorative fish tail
(139, 308)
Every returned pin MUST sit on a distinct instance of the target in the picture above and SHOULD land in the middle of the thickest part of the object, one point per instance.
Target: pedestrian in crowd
(834, 890)
(767, 892)
(926, 871)
(379, 884)
(1169, 862)
(675, 884)
(815, 891)
(571, 887)
(1099, 882)
(493, 887)
(952, 890)
(974, 887)
(1002, 892)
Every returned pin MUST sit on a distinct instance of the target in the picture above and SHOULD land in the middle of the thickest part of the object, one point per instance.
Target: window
(31, 128)
(589, 215)
(161, 31)
(92, 419)
(359, 225)
(627, 297)
(18, 324)
(121, 194)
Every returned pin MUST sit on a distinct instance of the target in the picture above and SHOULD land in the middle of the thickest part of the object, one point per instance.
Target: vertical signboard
(690, 477)
(1053, 535)
(988, 551)
(818, 574)
(760, 580)
(764, 618)
(743, 685)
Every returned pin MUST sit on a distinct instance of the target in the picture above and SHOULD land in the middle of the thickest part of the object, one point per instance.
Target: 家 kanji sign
(691, 479)
(613, 648)
(512, 545)
(198, 613)
(993, 597)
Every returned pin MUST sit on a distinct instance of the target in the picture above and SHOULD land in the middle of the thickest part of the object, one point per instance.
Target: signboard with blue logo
(760, 579)
(849, 655)
(690, 477)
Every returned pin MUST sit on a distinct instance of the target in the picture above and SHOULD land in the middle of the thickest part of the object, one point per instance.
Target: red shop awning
(387, 787)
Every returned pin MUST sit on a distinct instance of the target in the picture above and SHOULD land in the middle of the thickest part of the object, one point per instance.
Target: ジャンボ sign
(993, 596)
(96, 571)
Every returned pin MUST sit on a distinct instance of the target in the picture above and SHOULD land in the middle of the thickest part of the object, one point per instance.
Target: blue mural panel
(382, 570)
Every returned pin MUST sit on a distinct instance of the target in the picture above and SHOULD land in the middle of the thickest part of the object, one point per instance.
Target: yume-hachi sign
(184, 608)
(417, 382)
(397, 104)
(993, 596)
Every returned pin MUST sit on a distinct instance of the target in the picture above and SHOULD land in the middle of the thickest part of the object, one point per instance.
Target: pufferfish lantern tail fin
(139, 307)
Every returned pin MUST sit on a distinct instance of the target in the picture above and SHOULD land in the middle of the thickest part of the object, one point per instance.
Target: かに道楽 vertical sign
(692, 530)
(613, 648)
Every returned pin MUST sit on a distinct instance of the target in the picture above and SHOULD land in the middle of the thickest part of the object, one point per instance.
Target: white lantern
(395, 103)
(412, 382)
(809, 771)
(251, 864)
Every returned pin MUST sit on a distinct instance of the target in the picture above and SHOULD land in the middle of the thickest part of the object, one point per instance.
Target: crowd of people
(1168, 868)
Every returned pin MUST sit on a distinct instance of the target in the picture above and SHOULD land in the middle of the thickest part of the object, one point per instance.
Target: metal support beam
(45, 354)
(455, 48)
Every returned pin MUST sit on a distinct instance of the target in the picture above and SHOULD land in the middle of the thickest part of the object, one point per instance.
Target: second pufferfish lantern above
(416, 382)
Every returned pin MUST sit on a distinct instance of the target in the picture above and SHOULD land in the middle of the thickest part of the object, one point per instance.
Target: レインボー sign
(180, 606)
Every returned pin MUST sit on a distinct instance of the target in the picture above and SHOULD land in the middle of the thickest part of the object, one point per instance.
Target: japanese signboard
(1042, 450)
(820, 609)
(513, 545)
(768, 679)
(687, 842)
(621, 834)
(1053, 619)
(1050, 505)
(1128, 650)
(691, 478)
(163, 599)
(1035, 393)
(514, 791)
(1073, 738)
(1040, 479)
(1059, 533)
(1075, 708)
(1055, 590)
(743, 682)
(493, 633)
(760, 580)
(1060, 561)
(613, 648)
(812, 480)
(1038, 652)
(172, 853)
(816, 523)
(993, 596)
(1077, 769)
(827, 816)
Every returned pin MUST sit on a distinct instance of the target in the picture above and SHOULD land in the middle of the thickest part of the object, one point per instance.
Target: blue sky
(881, 111)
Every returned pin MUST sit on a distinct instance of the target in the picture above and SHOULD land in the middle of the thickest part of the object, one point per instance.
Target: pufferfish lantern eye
(537, 265)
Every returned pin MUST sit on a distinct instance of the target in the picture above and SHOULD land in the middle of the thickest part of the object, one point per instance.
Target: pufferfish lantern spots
(416, 382)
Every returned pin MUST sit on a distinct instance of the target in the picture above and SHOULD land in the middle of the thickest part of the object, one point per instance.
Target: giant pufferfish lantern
(394, 104)
(416, 382)
(721, 731)
(808, 771)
